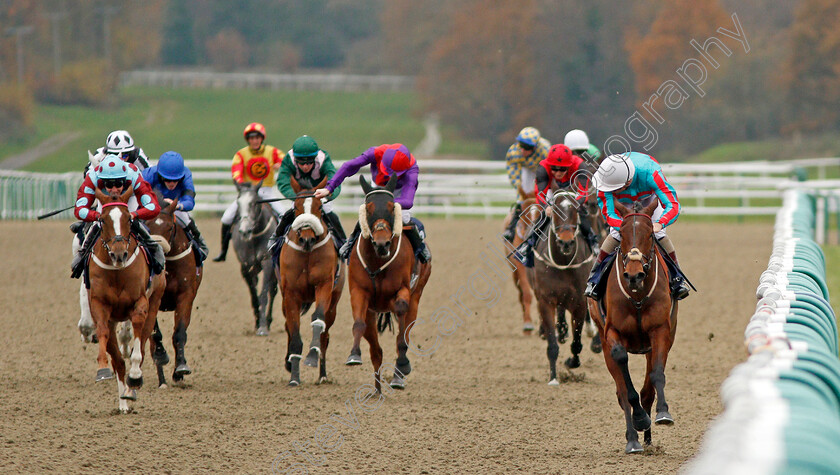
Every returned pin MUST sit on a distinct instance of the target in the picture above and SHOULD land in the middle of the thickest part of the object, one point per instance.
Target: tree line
(676, 75)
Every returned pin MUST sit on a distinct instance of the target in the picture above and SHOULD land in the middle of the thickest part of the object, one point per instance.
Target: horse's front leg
(100, 314)
(359, 304)
(183, 314)
(657, 359)
(323, 295)
(372, 337)
(294, 346)
(251, 279)
(124, 393)
(402, 308)
(546, 310)
(578, 320)
(86, 325)
(142, 324)
(635, 417)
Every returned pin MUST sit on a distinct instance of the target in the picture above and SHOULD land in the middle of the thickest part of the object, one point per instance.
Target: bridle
(320, 243)
(636, 255)
(115, 239)
(171, 240)
(378, 227)
(555, 228)
(258, 209)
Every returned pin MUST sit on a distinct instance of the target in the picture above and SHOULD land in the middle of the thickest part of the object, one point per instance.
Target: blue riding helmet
(171, 166)
(112, 167)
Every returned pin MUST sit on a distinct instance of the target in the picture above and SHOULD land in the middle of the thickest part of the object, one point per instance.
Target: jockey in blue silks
(628, 178)
(173, 180)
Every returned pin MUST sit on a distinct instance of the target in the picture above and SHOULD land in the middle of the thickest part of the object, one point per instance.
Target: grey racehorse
(250, 242)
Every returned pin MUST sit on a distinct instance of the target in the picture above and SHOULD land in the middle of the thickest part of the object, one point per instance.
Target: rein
(636, 255)
(553, 263)
(117, 238)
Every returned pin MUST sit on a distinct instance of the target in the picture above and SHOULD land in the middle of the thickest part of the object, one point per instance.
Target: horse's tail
(384, 322)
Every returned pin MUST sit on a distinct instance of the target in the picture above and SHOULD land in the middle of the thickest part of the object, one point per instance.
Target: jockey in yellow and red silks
(256, 164)
(522, 161)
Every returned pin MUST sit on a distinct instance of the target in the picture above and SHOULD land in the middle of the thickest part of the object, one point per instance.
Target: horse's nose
(635, 279)
(307, 242)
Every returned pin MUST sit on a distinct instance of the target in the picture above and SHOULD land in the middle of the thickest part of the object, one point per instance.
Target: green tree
(178, 47)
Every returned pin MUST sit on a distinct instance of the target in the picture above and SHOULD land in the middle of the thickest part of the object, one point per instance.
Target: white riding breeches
(527, 179)
(657, 213)
(266, 192)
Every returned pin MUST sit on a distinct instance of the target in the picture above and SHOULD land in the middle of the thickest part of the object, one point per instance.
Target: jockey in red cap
(563, 168)
(385, 161)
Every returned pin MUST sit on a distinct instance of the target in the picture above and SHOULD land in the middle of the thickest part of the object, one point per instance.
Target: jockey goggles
(555, 168)
(113, 183)
(526, 147)
(305, 160)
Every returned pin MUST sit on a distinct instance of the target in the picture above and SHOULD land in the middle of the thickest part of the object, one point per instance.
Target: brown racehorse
(530, 214)
(639, 318)
(183, 277)
(561, 267)
(120, 290)
(381, 268)
(309, 271)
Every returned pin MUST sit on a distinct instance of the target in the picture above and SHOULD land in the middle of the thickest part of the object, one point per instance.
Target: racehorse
(385, 278)
(121, 289)
(637, 316)
(309, 270)
(520, 278)
(561, 267)
(183, 277)
(250, 241)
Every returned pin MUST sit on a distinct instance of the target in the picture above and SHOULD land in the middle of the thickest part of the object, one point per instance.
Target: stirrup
(590, 291)
(679, 289)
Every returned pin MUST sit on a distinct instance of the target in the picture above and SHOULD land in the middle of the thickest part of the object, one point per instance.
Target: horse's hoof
(554, 382)
(312, 358)
(182, 370)
(134, 383)
(322, 380)
(664, 418)
(633, 447)
(353, 360)
(528, 328)
(163, 386)
(595, 346)
(294, 383)
(103, 374)
(262, 331)
(129, 394)
(397, 382)
(561, 338)
(572, 362)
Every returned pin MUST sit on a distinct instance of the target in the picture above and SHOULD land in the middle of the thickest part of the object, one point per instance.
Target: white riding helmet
(119, 141)
(576, 140)
(615, 171)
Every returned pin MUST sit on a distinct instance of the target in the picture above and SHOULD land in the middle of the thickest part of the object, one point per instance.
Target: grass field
(209, 123)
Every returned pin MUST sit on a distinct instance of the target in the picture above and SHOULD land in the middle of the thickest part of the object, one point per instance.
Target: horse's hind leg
(372, 338)
(251, 281)
(269, 292)
(520, 280)
(562, 326)
(124, 393)
(578, 317)
(657, 359)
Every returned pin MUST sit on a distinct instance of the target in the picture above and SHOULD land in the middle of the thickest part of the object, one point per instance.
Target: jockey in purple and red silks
(385, 161)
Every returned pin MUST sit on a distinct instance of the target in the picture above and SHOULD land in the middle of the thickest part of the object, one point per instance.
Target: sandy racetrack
(478, 404)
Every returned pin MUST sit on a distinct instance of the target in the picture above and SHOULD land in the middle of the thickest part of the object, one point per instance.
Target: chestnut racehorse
(309, 271)
(183, 277)
(639, 317)
(529, 216)
(561, 267)
(381, 268)
(120, 290)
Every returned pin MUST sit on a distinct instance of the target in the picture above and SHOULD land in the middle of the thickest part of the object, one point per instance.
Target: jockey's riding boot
(510, 231)
(226, 235)
(595, 277)
(194, 235)
(526, 249)
(679, 287)
(78, 264)
(157, 259)
(275, 242)
(415, 237)
(334, 225)
(347, 247)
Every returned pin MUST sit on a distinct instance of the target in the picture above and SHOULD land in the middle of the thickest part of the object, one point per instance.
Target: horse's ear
(237, 185)
(365, 185)
(392, 183)
(101, 196)
(651, 207)
(259, 185)
(621, 209)
(321, 183)
(295, 184)
(172, 206)
(127, 194)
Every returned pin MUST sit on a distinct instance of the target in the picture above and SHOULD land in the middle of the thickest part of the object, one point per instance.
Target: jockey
(120, 143)
(113, 176)
(309, 165)
(522, 160)
(631, 177)
(561, 167)
(174, 181)
(254, 164)
(385, 161)
(578, 142)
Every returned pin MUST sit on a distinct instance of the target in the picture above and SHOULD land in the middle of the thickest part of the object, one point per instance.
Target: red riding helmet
(254, 127)
(559, 156)
(396, 160)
